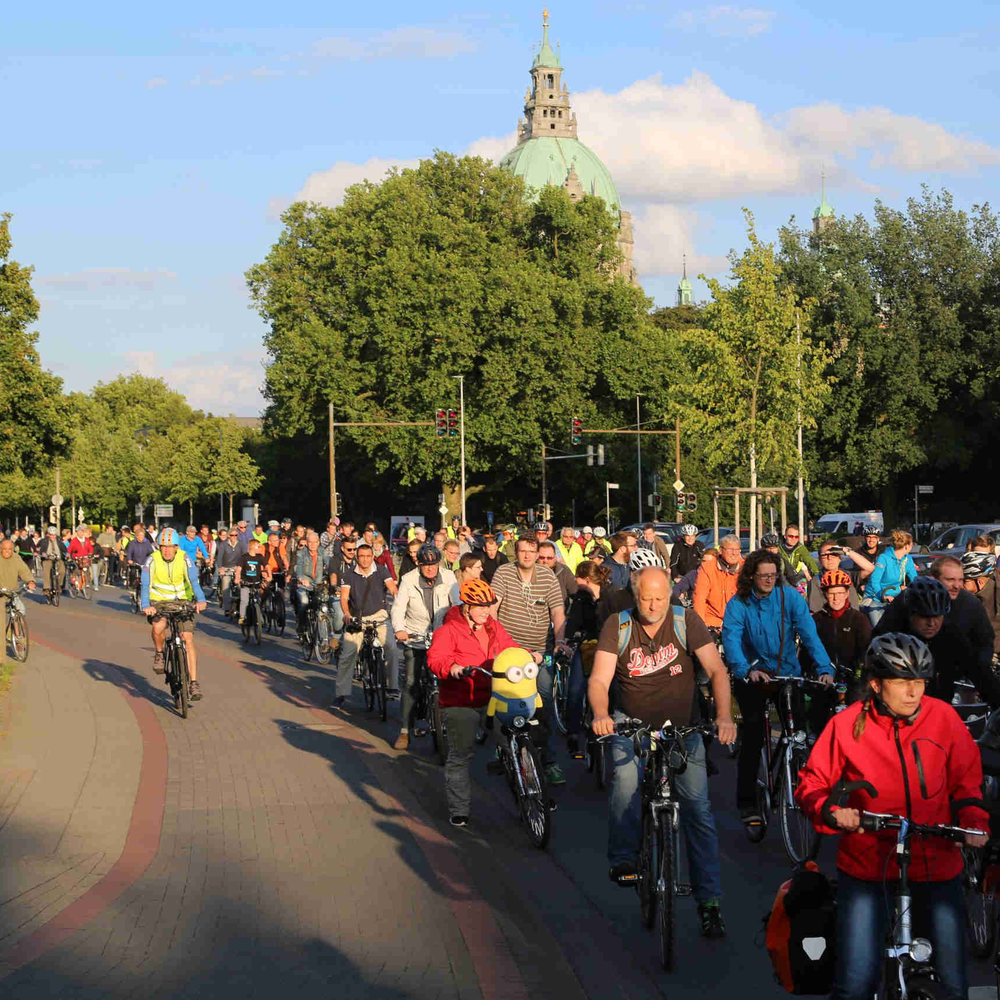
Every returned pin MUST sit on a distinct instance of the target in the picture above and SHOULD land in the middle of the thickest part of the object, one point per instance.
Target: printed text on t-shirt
(640, 664)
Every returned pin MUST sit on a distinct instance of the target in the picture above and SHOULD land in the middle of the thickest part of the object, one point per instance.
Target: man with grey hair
(651, 653)
(716, 582)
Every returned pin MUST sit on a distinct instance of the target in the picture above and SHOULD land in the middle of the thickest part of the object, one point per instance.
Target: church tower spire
(546, 105)
(824, 214)
(684, 289)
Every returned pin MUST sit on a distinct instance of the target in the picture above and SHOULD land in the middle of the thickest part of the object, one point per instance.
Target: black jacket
(845, 638)
(684, 558)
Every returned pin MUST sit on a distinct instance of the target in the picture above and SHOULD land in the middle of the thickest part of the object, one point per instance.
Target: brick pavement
(282, 862)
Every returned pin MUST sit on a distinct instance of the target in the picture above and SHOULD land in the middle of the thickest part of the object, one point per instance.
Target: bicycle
(251, 620)
(55, 590)
(657, 877)
(427, 703)
(204, 576)
(17, 623)
(134, 583)
(519, 758)
(76, 573)
(175, 660)
(907, 971)
(562, 664)
(371, 657)
(778, 772)
(273, 605)
(318, 625)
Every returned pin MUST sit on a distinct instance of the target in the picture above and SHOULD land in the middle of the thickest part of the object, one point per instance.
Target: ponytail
(862, 719)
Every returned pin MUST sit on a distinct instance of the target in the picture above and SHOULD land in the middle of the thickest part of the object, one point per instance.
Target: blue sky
(148, 152)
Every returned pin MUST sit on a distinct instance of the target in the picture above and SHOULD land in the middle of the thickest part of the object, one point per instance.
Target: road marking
(141, 843)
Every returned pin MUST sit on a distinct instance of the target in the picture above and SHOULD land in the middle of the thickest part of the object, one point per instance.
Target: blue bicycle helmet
(167, 537)
(927, 597)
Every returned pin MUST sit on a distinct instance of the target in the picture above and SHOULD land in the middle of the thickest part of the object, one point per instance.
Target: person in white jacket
(423, 598)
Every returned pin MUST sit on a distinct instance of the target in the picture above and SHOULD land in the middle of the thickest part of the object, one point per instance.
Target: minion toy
(515, 690)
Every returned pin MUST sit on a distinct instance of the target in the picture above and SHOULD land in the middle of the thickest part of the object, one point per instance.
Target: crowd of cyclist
(647, 631)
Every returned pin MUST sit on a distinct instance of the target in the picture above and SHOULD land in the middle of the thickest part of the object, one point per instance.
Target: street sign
(443, 509)
(489, 516)
(678, 485)
(925, 489)
(164, 510)
(139, 510)
(612, 486)
(57, 499)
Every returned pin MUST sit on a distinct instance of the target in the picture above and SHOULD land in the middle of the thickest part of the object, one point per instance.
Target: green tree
(33, 411)
(230, 469)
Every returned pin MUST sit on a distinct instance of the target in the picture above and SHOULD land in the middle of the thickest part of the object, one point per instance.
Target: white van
(848, 524)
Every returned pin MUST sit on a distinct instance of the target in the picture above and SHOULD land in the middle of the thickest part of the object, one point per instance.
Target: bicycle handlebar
(636, 727)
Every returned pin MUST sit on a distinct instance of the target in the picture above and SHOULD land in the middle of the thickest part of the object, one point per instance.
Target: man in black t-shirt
(250, 570)
(655, 681)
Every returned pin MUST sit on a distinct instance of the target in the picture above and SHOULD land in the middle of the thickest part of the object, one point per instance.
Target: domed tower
(549, 152)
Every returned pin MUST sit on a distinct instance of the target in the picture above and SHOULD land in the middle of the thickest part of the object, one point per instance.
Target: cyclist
(599, 545)
(686, 554)
(469, 636)
(408, 562)
(168, 575)
(982, 577)
(250, 569)
(12, 569)
(227, 558)
(928, 611)
(311, 570)
(531, 602)
(894, 569)
(800, 567)
(830, 556)
(274, 559)
(871, 545)
(654, 677)
(652, 541)
(566, 549)
(363, 590)
(716, 582)
(51, 552)
(967, 614)
(917, 753)
(421, 603)
(844, 630)
(344, 558)
(759, 631)
(621, 547)
(138, 550)
(585, 537)
(81, 548)
(211, 544)
(622, 599)
(493, 558)
(567, 582)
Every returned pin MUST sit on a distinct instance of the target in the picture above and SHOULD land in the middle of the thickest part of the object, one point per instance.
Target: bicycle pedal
(629, 879)
(494, 767)
(684, 889)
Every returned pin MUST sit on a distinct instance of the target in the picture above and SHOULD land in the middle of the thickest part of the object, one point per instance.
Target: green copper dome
(546, 57)
(823, 211)
(547, 160)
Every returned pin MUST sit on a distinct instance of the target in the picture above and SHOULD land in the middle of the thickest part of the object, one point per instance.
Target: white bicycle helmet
(643, 559)
(689, 529)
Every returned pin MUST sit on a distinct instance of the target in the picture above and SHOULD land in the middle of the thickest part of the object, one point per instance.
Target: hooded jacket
(889, 575)
(919, 770)
(713, 589)
(454, 643)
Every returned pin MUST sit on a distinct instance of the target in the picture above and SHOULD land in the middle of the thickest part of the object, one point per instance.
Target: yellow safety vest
(168, 581)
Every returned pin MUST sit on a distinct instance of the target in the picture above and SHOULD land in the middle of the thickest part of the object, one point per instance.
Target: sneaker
(419, 731)
(194, 691)
(573, 745)
(554, 775)
(402, 742)
(624, 873)
(712, 924)
(158, 665)
(459, 820)
(750, 816)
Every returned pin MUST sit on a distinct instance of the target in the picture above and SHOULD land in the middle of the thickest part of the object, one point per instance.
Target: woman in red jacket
(920, 757)
(468, 637)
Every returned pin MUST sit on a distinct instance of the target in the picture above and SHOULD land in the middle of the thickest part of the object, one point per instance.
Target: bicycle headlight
(921, 950)
(799, 736)
(518, 721)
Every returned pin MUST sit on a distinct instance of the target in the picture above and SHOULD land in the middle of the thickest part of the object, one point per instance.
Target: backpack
(625, 629)
(801, 932)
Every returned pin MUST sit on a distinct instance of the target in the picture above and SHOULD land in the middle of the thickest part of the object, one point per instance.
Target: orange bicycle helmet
(477, 594)
(834, 578)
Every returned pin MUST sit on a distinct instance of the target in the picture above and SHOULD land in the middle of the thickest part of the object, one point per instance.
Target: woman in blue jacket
(759, 630)
(894, 569)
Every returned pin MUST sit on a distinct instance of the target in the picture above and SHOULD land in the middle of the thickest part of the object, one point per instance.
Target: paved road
(268, 844)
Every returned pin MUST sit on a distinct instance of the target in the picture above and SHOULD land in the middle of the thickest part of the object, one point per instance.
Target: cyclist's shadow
(133, 681)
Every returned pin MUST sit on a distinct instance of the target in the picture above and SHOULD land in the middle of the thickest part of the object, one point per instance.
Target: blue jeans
(625, 771)
(576, 691)
(861, 927)
(874, 612)
(545, 680)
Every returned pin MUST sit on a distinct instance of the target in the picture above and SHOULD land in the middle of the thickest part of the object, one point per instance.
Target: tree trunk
(753, 454)
(231, 495)
(191, 511)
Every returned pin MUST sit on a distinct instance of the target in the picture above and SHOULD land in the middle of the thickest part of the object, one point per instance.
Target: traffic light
(453, 423)
(338, 504)
(681, 503)
(53, 514)
(441, 423)
(576, 430)
(590, 454)
(692, 502)
(657, 500)
(600, 454)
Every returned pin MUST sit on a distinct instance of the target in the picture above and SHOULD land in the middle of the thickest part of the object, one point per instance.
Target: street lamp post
(638, 455)
(608, 487)
(461, 432)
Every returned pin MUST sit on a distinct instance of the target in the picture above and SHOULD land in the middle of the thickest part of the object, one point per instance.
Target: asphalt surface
(297, 850)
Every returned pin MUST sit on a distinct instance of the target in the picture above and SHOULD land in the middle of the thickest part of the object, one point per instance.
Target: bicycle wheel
(18, 629)
(762, 796)
(381, 693)
(255, 623)
(279, 614)
(323, 654)
(647, 870)
(559, 698)
(85, 591)
(534, 800)
(245, 627)
(922, 987)
(665, 900)
(367, 679)
(439, 729)
(181, 663)
(311, 641)
(56, 591)
(980, 904)
(799, 835)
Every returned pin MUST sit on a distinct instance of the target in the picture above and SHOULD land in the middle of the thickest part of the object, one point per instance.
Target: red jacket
(454, 643)
(942, 765)
(78, 549)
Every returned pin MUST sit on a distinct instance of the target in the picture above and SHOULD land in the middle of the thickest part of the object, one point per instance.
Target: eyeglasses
(765, 576)
(346, 548)
(829, 555)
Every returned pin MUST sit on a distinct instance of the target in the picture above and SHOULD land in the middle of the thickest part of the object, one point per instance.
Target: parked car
(707, 537)
(953, 541)
(668, 531)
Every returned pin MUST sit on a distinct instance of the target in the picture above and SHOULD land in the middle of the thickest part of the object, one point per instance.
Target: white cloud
(328, 186)
(265, 73)
(664, 234)
(406, 42)
(103, 278)
(728, 22)
(156, 81)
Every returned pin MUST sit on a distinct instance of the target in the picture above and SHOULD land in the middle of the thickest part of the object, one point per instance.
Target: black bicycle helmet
(871, 529)
(927, 597)
(896, 654)
(769, 541)
(977, 564)
(427, 555)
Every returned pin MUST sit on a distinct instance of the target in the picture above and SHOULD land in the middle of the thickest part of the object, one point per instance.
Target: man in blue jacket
(759, 630)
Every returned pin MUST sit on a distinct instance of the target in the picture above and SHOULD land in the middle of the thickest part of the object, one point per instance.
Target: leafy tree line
(131, 440)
